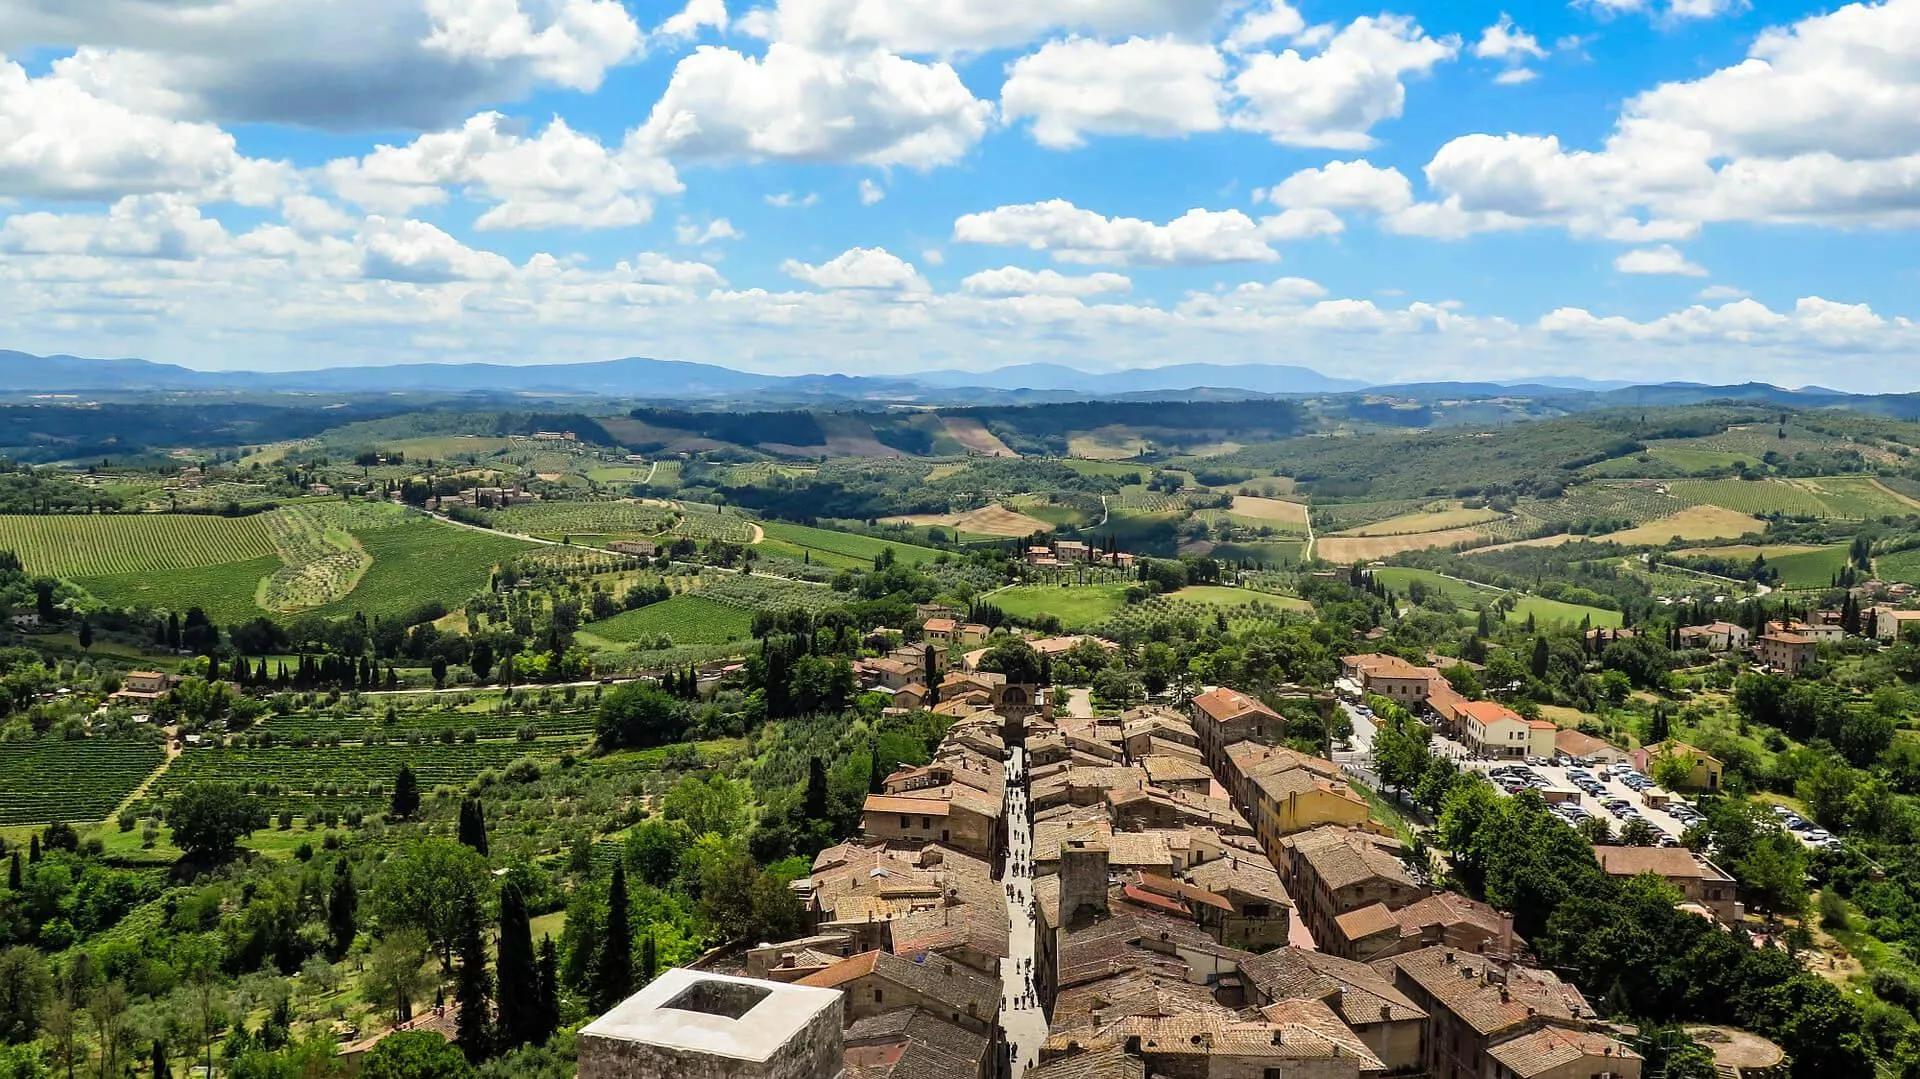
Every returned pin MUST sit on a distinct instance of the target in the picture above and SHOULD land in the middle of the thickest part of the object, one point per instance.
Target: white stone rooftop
(686, 1011)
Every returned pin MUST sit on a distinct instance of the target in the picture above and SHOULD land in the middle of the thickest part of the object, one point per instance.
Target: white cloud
(794, 104)
(697, 14)
(59, 141)
(1515, 76)
(787, 200)
(1015, 281)
(418, 253)
(1302, 223)
(944, 27)
(1345, 185)
(1141, 86)
(660, 270)
(1071, 234)
(338, 64)
(138, 226)
(871, 192)
(1723, 292)
(1820, 124)
(933, 256)
(560, 178)
(1672, 11)
(1664, 259)
(574, 48)
(1274, 19)
(691, 234)
(1505, 41)
(859, 268)
(1334, 98)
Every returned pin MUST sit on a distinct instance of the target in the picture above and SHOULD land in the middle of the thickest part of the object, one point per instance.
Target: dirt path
(759, 534)
(444, 519)
(651, 469)
(172, 747)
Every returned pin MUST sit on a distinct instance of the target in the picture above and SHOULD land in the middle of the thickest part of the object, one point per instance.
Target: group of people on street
(1020, 994)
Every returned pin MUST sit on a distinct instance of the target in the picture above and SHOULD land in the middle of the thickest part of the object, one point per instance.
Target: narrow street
(1022, 1020)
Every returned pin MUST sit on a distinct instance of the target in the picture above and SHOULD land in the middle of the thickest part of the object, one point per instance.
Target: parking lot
(1602, 785)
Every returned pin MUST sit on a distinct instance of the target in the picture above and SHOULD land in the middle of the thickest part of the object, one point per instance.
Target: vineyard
(289, 777)
(323, 727)
(93, 776)
(227, 593)
(320, 560)
(684, 619)
(577, 518)
(417, 560)
(767, 594)
(1136, 497)
(1754, 496)
(76, 545)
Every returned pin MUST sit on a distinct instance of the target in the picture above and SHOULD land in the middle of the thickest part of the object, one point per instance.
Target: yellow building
(1706, 767)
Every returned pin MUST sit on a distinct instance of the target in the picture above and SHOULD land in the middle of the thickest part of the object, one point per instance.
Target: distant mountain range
(693, 383)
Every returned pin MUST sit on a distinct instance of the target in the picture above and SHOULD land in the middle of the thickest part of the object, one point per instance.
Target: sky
(1697, 190)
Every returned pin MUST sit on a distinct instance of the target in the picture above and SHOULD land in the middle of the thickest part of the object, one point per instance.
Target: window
(876, 996)
(926, 823)
(1256, 910)
(906, 821)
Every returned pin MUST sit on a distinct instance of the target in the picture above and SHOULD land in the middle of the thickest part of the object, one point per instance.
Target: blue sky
(1648, 189)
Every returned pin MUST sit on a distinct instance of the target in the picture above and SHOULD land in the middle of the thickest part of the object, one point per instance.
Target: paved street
(1021, 1016)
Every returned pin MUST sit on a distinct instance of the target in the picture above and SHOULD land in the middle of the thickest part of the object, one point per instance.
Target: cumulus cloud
(1664, 259)
(873, 268)
(1345, 185)
(418, 253)
(871, 192)
(1071, 234)
(560, 178)
(794, 104)
(1820, 124)
(1505, 41)
(138, 226)
(1274, 19)
(788, 200)
(1141, 86)
(59, 141)
(1723, 292)
(693, 234)
(340, 64)
(696, 15)
(1015, 281)
(660, 270)
(1335, 97)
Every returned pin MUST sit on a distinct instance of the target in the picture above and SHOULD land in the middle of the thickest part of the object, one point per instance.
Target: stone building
(693, 1025)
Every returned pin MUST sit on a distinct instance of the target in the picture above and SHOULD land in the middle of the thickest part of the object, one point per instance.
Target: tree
(208, 820)
(1673, 770)
(473, 825)
(13, 872)
(1638, 832)
(1014, 658)
(396, 973)
(639, 715)
(1541, 655)
(815, 805)
(160, 1068)
(714, 804)
(480, 659)
(427, 885)
(473, 989)
(415, 1054)
(613, 974)
(520, 1016)
(547, 991)
(85, 635)
(439, 671)
(26, 987)
(406, 793)
(876, 779)
(343, 907)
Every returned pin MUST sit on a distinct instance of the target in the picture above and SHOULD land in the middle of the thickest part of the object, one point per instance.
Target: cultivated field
(50, 779)
(622, 518)
(1415, 523)
(1271, 510)
(1899, 566)
(74, 545)
(341, 777)
(995, 520)
(1753, 496)
(1693, 523)
(320, 560)
(843, 548)
(1347, 549)
(974, 435)
(417, 560)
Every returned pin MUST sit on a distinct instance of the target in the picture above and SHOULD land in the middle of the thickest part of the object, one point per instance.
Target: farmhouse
(641, 548)
(1716, 637)
(1701, 881)
(1890, 625)
(1787, 652)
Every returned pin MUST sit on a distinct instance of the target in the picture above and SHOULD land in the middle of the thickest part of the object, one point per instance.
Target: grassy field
(74, 545)
(1226, 596)
(1693, 523)
(1264, 552)
(1810, 569)
(994, 521)
(686, 619)
(1115, 469)
(227, 593)
(1862, 497)
(1076, 606)
(1273, 511)
(1468, 595)
(1547, 612)
(447, 447)
(1899, 566)
(861, 550)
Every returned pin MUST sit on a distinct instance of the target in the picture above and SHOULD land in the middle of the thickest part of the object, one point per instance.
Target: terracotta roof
(1552, 1048)
(940, 625)
(1224, 876)
(1367, 921)
(1576, 744)
(1363, 995)
(1789, 638)
(1222, 705)
(936, 979)
(1490, 712)
(1165, 769)
(844, 971)
(1670, 862)
(1341, 857)
(1468, 986)
(1449, 909)
(1542, 725)
(888, 803)
(1108, 1062)
(1154, 882)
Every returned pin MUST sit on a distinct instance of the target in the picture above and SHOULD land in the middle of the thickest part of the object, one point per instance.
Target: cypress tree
(547, 990)
(13, 873)
(33, 848)
(473, 825)
(816, 805)
(520, 1011)
(649, 959)
(1540, 656)
(343, 905)
(876, 780)
(160, 1069)
(406, 793)
(613, 977)
(473, 992)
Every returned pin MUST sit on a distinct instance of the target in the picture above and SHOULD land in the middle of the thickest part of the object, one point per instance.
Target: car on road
(1818, 835)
